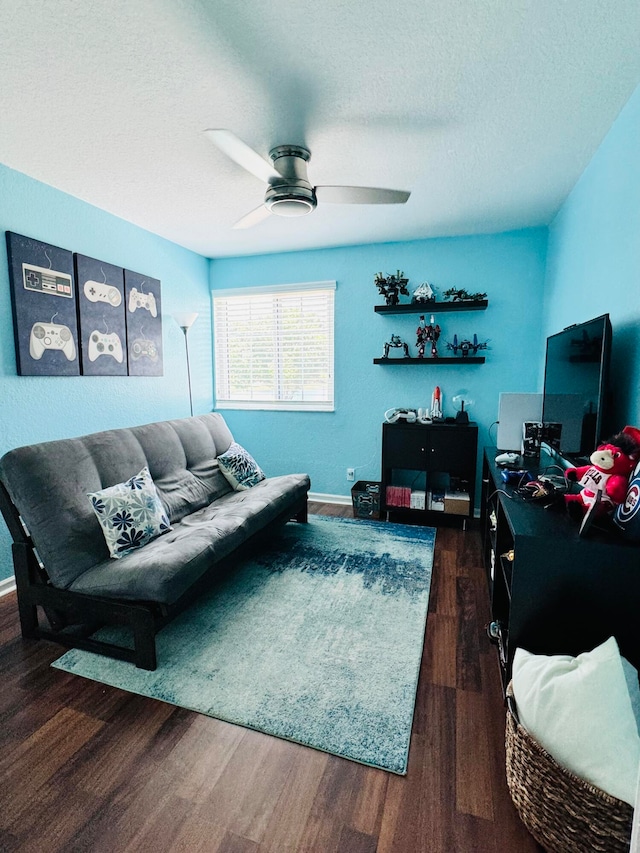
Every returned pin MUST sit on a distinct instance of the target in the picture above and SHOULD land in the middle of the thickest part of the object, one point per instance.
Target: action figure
(427, 334)
(396, 341)
(392, 286)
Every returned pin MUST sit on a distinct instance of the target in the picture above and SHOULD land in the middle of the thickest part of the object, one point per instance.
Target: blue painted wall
(42, 408)
(509, 267)
(594, 256)
(538, 282)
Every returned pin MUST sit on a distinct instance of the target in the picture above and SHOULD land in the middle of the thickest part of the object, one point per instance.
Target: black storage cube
(365, 496)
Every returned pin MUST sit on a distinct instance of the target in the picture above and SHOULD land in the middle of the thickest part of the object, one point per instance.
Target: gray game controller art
(142, 300)
(96, 292)
(100, 344)
(143, 348)
(51, 336)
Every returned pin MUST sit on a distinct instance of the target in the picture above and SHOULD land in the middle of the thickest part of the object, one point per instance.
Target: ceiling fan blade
(255, 217)
(360, 195)
(242, 154)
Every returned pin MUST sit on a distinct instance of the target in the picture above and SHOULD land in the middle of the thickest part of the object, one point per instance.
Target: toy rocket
(436, 404)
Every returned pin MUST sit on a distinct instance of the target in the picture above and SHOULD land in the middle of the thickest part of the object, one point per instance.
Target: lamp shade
(185, 320)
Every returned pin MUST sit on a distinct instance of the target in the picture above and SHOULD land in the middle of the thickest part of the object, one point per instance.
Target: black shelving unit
(422, 457)
(560, 593)
(469, 359)
(432, 307)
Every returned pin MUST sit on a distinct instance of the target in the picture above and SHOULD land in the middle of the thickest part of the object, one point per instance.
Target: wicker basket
(564, 813)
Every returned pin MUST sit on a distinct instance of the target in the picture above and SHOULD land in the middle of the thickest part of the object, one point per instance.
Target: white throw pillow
(579, 710)
(240, 468)
(130, 514)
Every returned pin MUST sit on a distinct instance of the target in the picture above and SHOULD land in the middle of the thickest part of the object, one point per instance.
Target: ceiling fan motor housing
(293, 195)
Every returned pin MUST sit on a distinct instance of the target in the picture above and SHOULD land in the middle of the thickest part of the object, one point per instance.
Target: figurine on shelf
(436, 404)
(396, 341)
(392, 286)
(423, 293)
(461, 295)
(427, 334)
(467, 347)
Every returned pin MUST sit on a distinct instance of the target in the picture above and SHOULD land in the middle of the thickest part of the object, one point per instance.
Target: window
(274, 347)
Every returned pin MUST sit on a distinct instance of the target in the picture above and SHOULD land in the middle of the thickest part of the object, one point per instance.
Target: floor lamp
(186, 321)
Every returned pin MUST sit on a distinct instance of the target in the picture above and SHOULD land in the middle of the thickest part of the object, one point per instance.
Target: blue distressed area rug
(316, 638)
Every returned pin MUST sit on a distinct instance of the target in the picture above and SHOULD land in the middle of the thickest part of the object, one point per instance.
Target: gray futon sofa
(61, 559)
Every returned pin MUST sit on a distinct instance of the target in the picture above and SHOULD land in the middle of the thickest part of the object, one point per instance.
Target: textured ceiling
(487, 111)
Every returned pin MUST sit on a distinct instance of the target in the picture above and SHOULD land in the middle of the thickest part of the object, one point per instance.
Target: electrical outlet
(351, 473)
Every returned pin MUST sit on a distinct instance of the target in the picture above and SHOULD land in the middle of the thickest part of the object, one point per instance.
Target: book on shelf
(436, 500)
(399, 496)
(418, 499)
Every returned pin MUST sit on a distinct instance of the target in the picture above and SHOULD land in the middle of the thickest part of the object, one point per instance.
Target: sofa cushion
(130, 513)
(48, 483)
(240, 468)
(167, 566)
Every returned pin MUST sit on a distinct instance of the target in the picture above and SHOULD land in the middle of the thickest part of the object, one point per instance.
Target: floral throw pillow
(131, 514)
(240, 468)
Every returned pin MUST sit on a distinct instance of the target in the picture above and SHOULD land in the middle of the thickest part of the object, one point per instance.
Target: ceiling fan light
(291, 206)
(290, 199)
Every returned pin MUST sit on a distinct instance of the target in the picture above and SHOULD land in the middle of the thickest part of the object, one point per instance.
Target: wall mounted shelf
(470, 359)
(432, 307)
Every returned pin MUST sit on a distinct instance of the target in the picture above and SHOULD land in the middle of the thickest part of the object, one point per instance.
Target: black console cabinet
(429, 459)
(556, 593)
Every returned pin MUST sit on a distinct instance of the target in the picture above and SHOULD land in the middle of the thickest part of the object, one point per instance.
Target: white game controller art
(96, 292)
(45, 336)
(143, 348)
(100, 344)
(142, 300)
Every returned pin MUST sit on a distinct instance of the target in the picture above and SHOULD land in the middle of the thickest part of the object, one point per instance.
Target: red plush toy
(611, 464)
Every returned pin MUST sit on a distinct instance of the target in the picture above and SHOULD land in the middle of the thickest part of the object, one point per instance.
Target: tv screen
(576, 385)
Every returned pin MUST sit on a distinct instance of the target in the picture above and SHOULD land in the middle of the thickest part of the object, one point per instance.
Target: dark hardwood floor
(85, 767)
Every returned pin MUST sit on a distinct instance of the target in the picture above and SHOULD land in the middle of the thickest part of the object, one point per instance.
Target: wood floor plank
(39, 820)
(122, 745)
(287, 822)
(353, 841)
(367, 811)
(199, 836)
(91, 769)
(439, 660)
(332, 807)
(268, 784)
(201, 756)
(469, 637)
(250, 786)
(232, 843)
(28, 767)
(442, 595)
(393, 804)
(474, 794)
(420, 822)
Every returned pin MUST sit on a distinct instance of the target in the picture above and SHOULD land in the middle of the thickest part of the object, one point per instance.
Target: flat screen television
(576, 388)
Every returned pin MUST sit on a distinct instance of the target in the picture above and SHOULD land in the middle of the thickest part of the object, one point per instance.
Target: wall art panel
(43, 298)
(144, 324)
(101, 317)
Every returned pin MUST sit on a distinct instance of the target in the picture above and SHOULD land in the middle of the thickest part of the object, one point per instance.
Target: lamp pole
(185, 329)
(186, 321)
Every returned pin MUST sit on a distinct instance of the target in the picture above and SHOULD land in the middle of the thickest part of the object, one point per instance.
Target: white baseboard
(7, 585)
(321, 497)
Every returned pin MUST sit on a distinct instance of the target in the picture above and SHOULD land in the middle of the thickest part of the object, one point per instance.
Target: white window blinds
(274, 347)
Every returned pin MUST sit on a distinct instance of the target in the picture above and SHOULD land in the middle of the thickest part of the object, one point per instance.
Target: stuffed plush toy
(611, 464)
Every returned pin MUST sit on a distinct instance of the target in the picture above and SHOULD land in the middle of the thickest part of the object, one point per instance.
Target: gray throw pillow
(130, 514)
(240, 468)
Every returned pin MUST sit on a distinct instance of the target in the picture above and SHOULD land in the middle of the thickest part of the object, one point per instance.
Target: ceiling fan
(289, 192)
